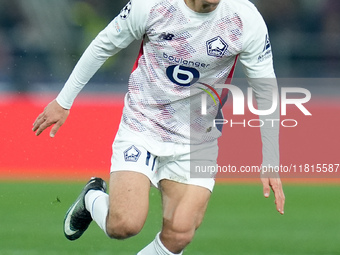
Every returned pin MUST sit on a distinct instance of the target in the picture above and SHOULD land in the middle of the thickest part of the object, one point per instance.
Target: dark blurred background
(41, 41)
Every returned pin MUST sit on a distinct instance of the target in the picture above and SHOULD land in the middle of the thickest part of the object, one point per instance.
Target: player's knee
(123, 228)
(183, 239)
(178, 235)
(177, 241)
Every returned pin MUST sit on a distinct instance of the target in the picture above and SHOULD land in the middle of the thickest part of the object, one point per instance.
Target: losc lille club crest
(132, 154)
(216, 47)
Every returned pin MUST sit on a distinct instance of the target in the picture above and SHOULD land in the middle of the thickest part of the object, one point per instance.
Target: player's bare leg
(128, 204)
(184, 207)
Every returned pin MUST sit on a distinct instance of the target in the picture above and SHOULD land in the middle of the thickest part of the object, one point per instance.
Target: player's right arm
(128, 26)
(53, 114)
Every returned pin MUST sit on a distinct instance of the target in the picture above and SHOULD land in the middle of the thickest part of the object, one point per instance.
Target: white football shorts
(162, 160)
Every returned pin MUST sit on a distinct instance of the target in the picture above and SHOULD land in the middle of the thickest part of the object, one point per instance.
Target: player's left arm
(257, 62)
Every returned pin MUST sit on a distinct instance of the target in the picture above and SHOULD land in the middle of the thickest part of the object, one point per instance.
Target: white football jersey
(183, 53)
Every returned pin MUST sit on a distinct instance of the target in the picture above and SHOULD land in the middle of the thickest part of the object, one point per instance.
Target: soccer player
(186, 44)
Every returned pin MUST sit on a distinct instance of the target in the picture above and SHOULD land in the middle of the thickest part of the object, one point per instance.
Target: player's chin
(212, 2)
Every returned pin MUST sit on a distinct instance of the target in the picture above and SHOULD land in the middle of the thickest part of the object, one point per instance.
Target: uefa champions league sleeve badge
(125, 12)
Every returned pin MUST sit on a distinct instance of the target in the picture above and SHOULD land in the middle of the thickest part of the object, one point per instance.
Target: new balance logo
(166, 36)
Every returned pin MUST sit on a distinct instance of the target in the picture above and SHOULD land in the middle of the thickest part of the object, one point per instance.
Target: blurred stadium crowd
(40, 41)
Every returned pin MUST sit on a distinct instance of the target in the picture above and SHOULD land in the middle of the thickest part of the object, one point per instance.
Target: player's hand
(274, 183)
(53, 114)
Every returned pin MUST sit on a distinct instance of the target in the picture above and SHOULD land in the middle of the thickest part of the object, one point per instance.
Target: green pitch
(238, 221)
